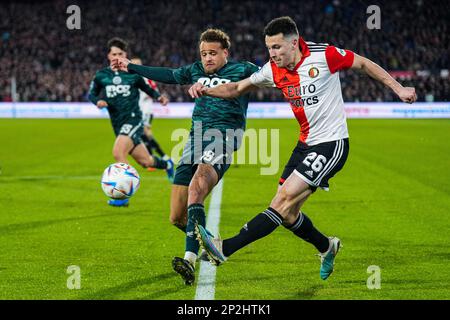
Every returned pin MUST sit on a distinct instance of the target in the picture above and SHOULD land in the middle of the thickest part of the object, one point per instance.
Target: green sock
(196, 213)
(159, 163)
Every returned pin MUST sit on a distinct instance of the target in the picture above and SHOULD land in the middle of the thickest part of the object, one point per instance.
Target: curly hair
(216, 35)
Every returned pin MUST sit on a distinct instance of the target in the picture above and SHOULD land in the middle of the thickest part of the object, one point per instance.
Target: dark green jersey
(212, 112)
(121, 91)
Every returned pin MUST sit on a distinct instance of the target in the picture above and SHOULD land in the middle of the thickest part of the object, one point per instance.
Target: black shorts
(217, 153)
(131, 127)
(317, 164)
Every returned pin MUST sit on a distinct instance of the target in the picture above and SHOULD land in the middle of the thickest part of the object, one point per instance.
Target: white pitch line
(206, 286)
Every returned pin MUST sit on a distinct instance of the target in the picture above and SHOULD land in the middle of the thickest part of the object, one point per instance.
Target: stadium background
(52, 63)
(390, 203)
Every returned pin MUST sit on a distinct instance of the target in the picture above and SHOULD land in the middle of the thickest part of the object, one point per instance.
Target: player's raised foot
(185, 269)
(118, 203)
(212, 246)
(203, 255)
(170, 170)
(327, 258)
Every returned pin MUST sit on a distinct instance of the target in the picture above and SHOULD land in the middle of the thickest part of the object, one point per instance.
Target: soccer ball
(120, 181)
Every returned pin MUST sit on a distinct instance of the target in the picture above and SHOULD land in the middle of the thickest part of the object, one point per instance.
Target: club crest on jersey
(117, 80)
(341, 51)
(313, 72)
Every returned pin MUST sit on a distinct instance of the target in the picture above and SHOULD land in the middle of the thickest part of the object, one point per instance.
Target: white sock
(191, 257)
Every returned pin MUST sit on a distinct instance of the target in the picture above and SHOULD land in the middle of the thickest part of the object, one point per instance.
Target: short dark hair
(284, 25)
(216, 35)
(117, 42)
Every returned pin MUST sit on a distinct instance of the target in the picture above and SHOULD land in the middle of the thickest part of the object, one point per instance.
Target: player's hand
(407, 94)
(101, 104)
(197, 90)
(163, 100)
(120, 64)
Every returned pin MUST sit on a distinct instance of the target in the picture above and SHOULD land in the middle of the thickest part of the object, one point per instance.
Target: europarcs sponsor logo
(299, 96)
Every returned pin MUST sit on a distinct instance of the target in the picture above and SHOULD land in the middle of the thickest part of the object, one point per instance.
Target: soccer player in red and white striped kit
(308, 75)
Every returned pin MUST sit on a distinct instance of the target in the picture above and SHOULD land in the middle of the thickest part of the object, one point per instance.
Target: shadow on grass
(306, 294)
(16, 227)
(115, 292)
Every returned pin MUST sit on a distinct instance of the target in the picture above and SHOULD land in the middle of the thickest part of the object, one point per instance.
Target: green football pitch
(390, 206)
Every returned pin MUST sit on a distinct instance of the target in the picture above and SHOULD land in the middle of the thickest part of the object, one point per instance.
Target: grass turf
(389, 205)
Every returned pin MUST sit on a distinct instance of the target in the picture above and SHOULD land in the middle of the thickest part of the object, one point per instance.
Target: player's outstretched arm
(406, 94)
(224, 91)
(161, 74)
(144, 86)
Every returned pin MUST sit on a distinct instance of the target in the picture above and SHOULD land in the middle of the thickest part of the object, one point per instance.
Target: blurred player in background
(118, 91)
(308, 75)
(198, 172)
(146, 104)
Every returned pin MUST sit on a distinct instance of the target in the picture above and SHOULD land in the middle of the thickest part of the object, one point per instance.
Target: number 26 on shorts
(315, 161)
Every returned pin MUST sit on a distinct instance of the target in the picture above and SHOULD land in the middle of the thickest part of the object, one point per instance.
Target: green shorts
(132, 127)
(218, 153)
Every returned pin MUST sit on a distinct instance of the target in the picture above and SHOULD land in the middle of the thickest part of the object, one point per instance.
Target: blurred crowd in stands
(49, 62)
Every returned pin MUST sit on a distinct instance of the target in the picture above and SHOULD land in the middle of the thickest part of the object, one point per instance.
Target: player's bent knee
(119, 156)
(283, 203)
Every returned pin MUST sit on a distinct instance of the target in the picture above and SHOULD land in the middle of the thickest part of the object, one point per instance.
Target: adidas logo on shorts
(309, 173)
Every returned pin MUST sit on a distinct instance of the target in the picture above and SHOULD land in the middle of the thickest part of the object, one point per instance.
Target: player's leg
(122, 147)
(298, 222)
(178, 211)
(146, 139)
(129, 139)
(287, 203)
(301, 226)
(145, 135)
(284, 207)
(208, 166)
(179, 196)
(143, 157)
(216, 161)
(203, 181)
(301, 183)
(178, 206)
(200, 186)
(329, 158)
(270, 219)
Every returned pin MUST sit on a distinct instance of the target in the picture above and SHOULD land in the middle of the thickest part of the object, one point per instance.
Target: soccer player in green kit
(118, 91)
(198, 172)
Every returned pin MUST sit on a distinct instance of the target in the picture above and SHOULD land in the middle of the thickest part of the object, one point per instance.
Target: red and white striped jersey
(313, 90)
(145, 101)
